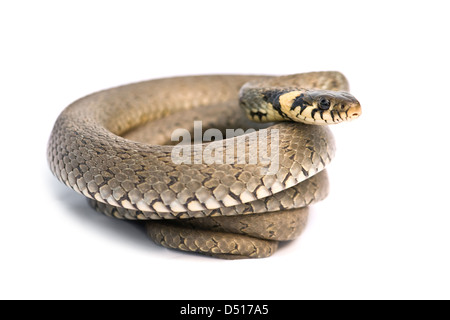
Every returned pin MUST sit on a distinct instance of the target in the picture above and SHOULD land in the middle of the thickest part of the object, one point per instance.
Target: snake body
(113, 147)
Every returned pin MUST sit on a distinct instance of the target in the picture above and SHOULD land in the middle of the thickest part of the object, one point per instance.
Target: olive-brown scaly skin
(91, 152)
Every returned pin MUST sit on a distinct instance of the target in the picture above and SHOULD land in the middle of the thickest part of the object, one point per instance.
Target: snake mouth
(354, 111)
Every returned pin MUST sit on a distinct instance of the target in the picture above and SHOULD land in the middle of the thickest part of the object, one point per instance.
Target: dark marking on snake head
(321, 114)
(300, 102)
(258, 114)
(273, 97)
(332, 114)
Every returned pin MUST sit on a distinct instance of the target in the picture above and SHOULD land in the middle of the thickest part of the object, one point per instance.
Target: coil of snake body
(114, 147)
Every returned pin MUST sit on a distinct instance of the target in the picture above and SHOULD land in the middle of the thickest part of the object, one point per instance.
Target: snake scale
(114, 147)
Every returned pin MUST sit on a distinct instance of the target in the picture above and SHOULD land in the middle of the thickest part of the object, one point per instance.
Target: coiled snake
(113, 147)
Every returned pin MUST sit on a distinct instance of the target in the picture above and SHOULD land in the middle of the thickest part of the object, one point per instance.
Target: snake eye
(324, 104)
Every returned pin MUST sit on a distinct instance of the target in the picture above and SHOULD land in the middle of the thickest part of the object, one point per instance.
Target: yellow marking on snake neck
(287, 99)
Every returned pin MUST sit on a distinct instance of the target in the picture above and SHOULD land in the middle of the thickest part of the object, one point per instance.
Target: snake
(225, 200)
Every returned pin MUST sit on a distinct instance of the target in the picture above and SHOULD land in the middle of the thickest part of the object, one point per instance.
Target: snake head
(323, 107)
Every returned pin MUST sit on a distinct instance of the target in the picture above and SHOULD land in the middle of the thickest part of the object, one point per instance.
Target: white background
(383, 233)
